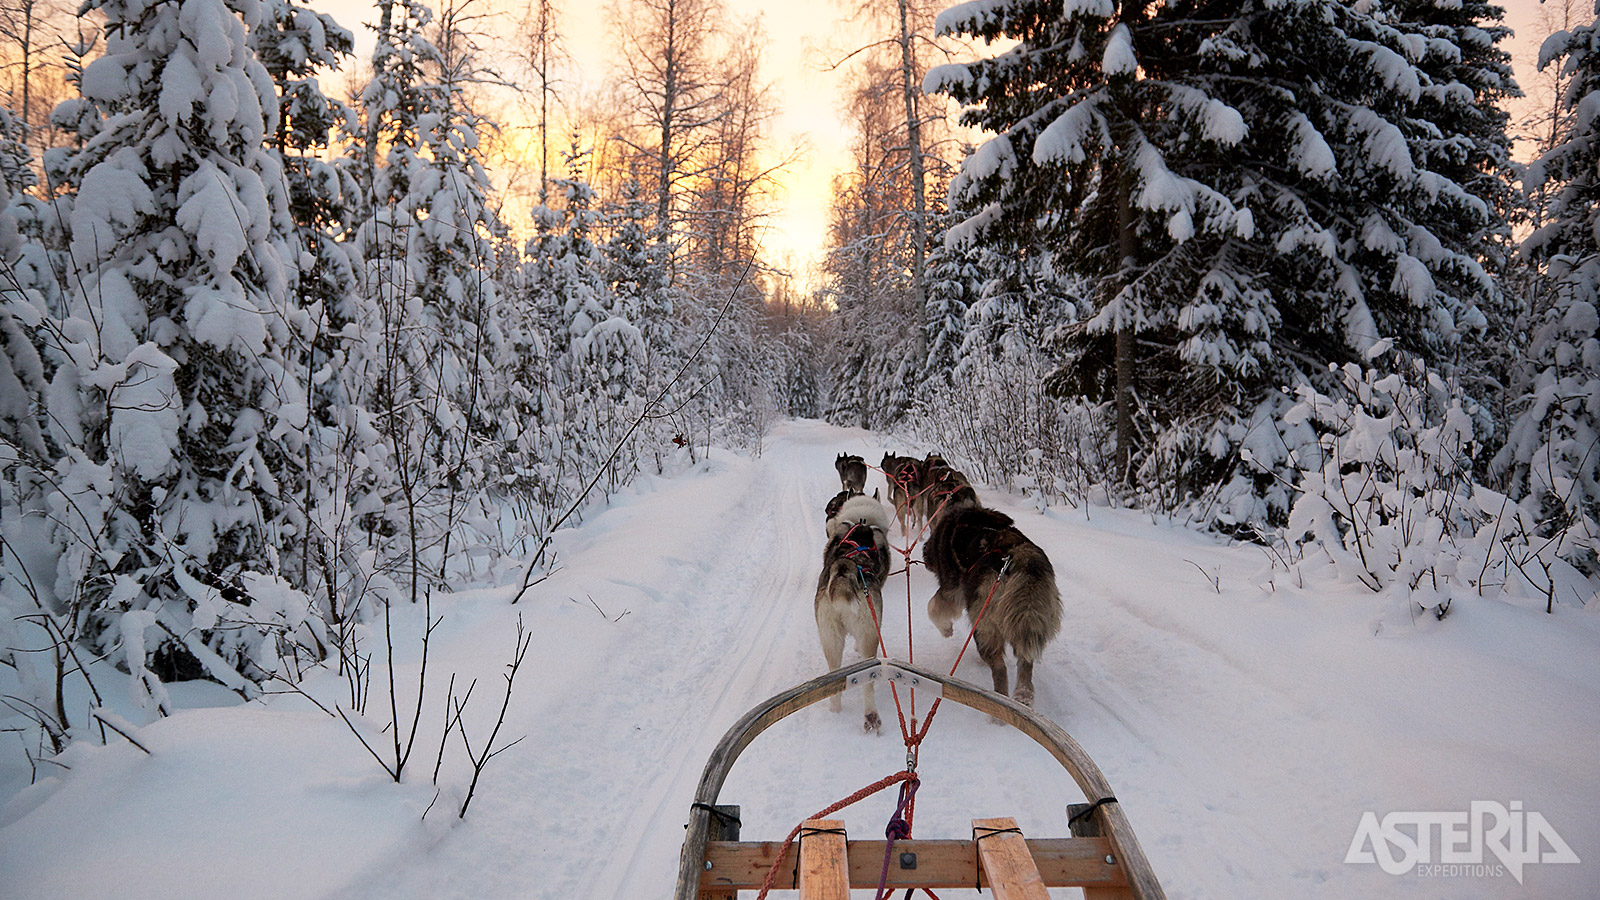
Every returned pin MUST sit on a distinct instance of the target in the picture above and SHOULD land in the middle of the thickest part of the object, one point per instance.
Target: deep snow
(1245, 724)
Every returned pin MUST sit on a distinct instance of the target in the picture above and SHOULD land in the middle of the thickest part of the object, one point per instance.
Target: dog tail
(1028, 603)
(844, 582)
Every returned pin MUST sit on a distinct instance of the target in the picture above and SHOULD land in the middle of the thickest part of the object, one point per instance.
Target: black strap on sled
(1088, 811)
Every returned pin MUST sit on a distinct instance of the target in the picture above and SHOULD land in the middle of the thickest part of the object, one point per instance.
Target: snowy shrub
(1388, 496)
(1392, 483)
(1247, 468)
(998, 423)
(1552, 455)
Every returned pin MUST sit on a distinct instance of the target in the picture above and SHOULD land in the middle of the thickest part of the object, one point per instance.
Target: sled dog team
(977, 555)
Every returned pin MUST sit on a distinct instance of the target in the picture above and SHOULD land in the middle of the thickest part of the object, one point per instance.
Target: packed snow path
(1245, 726)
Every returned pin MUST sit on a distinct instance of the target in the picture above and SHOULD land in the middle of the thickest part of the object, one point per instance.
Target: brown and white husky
(904, 475)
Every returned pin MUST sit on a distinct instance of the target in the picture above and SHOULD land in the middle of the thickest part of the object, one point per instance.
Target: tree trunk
(1127, 245)
(919, 211)
(370, 152)
(669, 101)
(545, 40)
(27, 64)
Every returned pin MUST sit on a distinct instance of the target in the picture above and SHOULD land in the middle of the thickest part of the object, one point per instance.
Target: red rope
(993, 586)
(946, 490)
(869, 790)
(905, 733)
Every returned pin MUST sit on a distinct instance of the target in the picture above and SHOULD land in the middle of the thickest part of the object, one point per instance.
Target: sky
(804, 37)
(800, 36)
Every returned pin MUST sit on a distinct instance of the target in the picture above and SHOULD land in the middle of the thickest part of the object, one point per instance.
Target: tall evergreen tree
(431, 319)
(1254, 185)
(595, 355)
(293, 44)
(1552, 458)
(954, 279)
(636, 275)
(176, 337)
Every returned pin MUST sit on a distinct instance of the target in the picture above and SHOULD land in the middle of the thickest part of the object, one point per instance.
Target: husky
(854, 567)
(904, 474)
(852, 473)
(974, 551)
(938, 482)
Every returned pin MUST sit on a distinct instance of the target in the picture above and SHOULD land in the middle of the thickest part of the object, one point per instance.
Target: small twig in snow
(1214, 578)
(113, 726)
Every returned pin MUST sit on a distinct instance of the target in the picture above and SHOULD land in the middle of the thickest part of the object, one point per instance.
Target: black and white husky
(854, 567)
(974, 551)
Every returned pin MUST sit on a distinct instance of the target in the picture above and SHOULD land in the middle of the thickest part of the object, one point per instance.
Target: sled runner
(1102, 856)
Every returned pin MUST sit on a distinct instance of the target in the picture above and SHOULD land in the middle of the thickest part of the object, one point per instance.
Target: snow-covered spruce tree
(568, 266)
(637, 269)
(596, 356)
(955, 277)
(1466, 77)
(463, 236)
(1552, 458)
(430, 319)
(636, 274)
(1255, 186)
(174, 335)
(293, 43)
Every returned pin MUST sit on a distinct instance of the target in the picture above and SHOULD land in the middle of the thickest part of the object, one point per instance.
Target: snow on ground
(1245, 726)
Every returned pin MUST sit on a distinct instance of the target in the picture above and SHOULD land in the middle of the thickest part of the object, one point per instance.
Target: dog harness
(861, 554)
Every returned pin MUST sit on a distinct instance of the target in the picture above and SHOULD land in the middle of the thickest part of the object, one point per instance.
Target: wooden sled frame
(1111, 865)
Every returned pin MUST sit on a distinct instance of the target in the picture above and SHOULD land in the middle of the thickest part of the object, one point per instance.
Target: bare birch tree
(669, 82)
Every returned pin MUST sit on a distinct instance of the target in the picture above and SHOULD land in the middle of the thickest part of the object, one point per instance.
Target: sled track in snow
(754, 639)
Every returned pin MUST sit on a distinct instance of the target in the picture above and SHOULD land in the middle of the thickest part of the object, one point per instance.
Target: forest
(288, 336)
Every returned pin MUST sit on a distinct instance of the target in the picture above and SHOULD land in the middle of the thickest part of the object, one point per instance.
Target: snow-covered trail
(1245, 722)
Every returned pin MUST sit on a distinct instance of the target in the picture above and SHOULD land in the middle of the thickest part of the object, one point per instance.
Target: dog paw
(1024, 696)
(872, 724)
(946, 628)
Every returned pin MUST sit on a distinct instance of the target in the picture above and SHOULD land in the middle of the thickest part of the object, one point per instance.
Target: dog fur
(852, 473)
(967, 550)
(854, 567)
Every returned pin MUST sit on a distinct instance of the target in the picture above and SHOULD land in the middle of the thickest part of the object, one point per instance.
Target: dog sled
(1100, 855)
